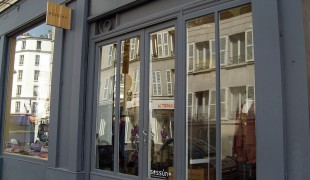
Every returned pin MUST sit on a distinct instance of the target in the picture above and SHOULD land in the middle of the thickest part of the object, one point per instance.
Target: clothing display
(244, 147)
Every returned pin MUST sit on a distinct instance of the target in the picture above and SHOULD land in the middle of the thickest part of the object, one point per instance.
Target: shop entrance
(135, 103)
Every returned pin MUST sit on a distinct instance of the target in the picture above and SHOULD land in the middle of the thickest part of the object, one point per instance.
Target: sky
(39, 30)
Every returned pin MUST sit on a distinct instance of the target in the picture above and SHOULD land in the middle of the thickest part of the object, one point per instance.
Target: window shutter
(190, 57)
(105, 89)
(137, 90)
(223, 49)
(122, 50)
(132, 54)
(212, 107)
(249, 45)
(137, 46)
(169, 82)
(110, 55)
(223, 104)
(189, 106)
(212, 53)
(158, 79)
(154, 83)
(250, 93)
(160, 45)
(166, 44)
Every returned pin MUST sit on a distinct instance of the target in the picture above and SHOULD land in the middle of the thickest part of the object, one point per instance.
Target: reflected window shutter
(110, 55)
(249, 51)
(223, 50)
(158, 79)
(132, 54)
(105, 89)
(169, 83)
(223, 104)
(190, 57)
(137, 88)
(166, 44)
(122, 50)
(160, 45)
(212, 53)
(190, 106)
(154, 84)
(212, 110)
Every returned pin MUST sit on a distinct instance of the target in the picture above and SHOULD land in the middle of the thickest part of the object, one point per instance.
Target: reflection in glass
(129, 106)
(201, 98)
(106, 108)
(237, 91)
(27, 116)
(161, 120)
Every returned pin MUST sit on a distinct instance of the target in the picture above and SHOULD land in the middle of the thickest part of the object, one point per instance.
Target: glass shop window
(27, 115)
(237, 95)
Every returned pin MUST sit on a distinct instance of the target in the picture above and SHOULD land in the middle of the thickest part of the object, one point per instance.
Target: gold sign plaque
(57, 15)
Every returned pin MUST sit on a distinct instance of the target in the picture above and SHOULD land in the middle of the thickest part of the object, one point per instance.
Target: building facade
(154, 89)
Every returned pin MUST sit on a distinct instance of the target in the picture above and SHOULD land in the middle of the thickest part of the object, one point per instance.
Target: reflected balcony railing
(202, 66)
(200, 117)
(236, 59)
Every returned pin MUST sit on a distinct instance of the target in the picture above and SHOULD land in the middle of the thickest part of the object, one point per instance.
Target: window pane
(161, 102)
(238, 94)
(106, 108)
(129, 107)
(28, 97)
(201, 99)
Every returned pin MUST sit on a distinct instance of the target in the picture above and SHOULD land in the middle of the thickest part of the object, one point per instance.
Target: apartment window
(163, 44)
(21, 60)
(35, 91)
(23, 44)
(36, 75)
(156, 83)
(237, 48)
(136, 81)
(202, 55)
(19, 90)
(169, 82)
(17, 106)
(20, 75)
(39, 45)
(37, 60)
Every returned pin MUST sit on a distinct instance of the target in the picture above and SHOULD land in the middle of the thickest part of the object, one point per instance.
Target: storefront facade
(174, 89)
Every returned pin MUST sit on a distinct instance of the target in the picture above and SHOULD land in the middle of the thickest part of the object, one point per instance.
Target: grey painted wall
(102, 6)
(306, 16)
(295, 89)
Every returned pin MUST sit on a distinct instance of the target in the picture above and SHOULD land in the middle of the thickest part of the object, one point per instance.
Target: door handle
(144, 132)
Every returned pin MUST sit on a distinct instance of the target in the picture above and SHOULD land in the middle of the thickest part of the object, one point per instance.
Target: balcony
(202, 66)
(236, 60)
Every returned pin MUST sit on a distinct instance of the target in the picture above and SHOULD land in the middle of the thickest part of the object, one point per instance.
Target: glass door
(159, 117)
(118, 114)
